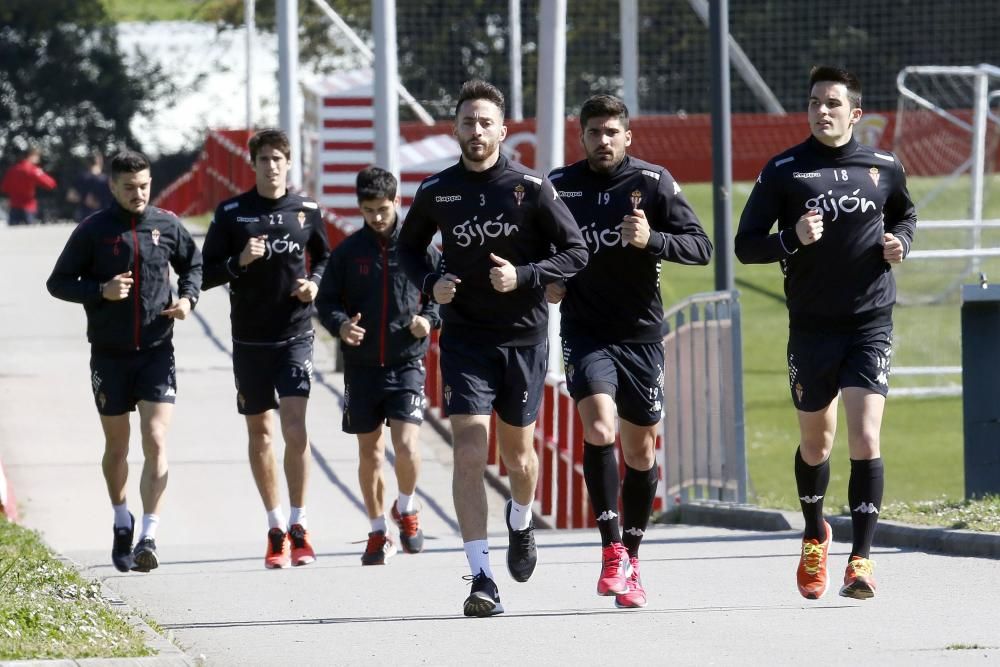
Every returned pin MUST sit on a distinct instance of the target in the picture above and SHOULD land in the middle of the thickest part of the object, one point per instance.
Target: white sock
(378, 523)
(405, 503)
(298, 517)
(520, 515)
(122, 518)
(276, 518)
(150, 522)
(477, 552)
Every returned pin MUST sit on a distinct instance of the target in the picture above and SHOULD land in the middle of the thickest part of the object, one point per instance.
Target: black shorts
(820, 364)
(122, 379)
(631, 373)
(373, 395)
(262, 371)
(481, 378)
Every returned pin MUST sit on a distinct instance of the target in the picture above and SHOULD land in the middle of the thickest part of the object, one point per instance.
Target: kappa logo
(244, 218)
(170, 392)
(812, 500)
(805, 174)
(447, 199)
(636, 532)
(607, 515)
(866, 508)
(569, 194)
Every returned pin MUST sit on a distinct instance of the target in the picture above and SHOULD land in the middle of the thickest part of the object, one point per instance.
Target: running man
(844, 218)
(384, 323)
(633, 216)
(117, 264)
(505, 235)
(270, 246)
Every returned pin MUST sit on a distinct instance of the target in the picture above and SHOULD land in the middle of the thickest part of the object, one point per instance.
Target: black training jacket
(364, 276)
(114, 241)
(841, 281)
(616, 297)
(506, 210)
(263, 310)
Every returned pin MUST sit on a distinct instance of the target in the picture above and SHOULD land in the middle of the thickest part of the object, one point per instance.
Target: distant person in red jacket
(20, 183)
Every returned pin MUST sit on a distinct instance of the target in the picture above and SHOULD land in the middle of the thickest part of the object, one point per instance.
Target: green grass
(159, 10)
(47, 610)
(921, 437)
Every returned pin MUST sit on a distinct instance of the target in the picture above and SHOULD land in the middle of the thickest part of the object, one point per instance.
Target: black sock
(812, 482)
(638, 493)
(600, 471)
(864, 494)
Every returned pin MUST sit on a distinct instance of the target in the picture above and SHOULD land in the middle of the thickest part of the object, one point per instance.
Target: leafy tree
(64, 85)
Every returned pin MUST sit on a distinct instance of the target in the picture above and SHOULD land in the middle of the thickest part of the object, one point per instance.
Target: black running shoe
(121, 549)
(484, 600)
(521, 552)
(145, 555)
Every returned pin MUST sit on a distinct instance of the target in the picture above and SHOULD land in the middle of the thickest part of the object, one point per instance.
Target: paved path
(715, 595)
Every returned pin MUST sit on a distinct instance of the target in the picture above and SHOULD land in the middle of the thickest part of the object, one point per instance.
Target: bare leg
(470, 437)
(260, 429)
(405, 442)
(155, 422)
(293, 429)
(114, 463)
(371, 455)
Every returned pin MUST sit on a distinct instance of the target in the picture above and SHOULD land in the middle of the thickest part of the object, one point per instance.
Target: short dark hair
(270, 137)
(128, 162)
(375, 183)
(838, 75)
(603, 106)
(477, 89)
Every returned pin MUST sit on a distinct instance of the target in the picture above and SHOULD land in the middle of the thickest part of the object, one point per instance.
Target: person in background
(20, 184)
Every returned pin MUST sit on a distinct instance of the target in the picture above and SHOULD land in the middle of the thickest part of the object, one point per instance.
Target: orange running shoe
(614, 570)
(859, 579)
(380, 548)
(811, 574)
(302, 549)
(278, 551)
(410, 536)
(635, 596)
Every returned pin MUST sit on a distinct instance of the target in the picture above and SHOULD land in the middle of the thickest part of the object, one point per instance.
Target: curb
(966, 543)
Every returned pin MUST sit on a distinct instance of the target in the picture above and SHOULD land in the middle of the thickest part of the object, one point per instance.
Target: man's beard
(488, 150)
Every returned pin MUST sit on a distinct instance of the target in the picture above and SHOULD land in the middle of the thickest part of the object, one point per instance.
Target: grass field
(921, 437)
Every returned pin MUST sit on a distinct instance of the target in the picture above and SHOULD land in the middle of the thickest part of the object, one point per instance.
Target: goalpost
(947, 132)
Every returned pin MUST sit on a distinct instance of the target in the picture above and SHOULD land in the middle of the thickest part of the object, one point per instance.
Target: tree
(64, 86)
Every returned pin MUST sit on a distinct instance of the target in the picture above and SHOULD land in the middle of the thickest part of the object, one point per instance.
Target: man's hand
(253, 250)
(118, 287)
(420, 326)
(635, 228)
(445, 288)
(554, 292)
(893, 250)
(305, 290)
(809, 227)
(351, 333)
(503, 276)
(178, 310)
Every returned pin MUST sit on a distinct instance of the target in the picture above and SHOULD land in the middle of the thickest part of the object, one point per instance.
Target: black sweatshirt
(263, 310)
(840, 282)
(617, 296)
(114, 241)
(506, 210)
(364, 276)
